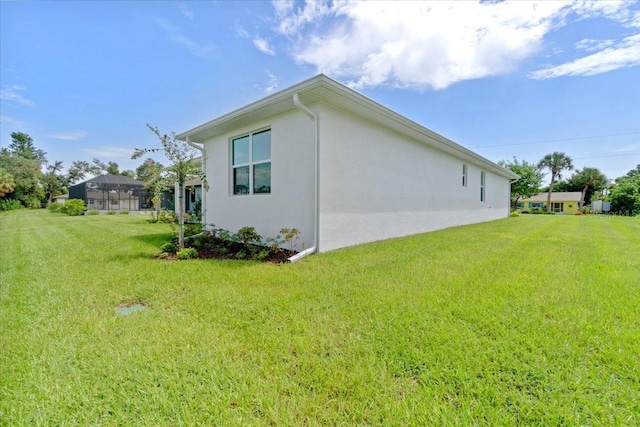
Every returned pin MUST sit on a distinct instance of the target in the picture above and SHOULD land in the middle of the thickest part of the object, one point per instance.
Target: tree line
(28, 179)
(623, 192)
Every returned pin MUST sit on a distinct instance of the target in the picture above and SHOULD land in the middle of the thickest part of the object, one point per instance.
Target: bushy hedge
(10, 205)
(72, 207)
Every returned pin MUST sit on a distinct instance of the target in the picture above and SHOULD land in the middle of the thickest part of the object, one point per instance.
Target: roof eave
(400, 123)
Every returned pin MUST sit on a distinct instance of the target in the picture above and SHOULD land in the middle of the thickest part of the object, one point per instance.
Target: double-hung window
(482, 185)
(251, 162)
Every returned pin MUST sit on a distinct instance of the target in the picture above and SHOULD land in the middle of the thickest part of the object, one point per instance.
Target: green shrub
(291, 236)
(10, 205)
(111, 212)
(514, 214)
(55, 207)
(261, 255)
(166, 216)
(93, 212)
(249, 235)
(124, 212)
(187, 253)
(169, 247)
(191, 229)
(32, 203)
(73, 207)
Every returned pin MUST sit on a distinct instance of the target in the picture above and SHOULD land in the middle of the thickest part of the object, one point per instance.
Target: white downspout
(316, 207)
(203, 191)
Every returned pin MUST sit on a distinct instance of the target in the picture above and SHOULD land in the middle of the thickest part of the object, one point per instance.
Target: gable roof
(324, 89)
(556, 196)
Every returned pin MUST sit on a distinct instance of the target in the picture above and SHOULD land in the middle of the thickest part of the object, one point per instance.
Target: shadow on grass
(155, 240)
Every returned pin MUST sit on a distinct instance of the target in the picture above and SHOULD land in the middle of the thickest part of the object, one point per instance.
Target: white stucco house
(341, 168)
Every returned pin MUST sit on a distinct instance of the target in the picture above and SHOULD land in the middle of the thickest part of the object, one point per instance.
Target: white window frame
(482, 186)
(464, 175)
(250, 164)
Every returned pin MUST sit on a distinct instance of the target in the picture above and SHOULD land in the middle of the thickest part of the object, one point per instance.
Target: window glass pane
(241, 180)
(261, 146)
(262, 178)
(241, 150)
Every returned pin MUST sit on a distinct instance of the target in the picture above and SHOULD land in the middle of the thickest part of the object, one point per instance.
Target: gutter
(316, 207)
(203, 166)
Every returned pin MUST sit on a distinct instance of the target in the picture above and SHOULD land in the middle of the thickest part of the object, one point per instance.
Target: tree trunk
(181, 216)
(553, 179)
(584, 193)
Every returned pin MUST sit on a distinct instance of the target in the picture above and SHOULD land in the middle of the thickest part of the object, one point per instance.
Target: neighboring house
(561, 202)
(342, 169)
(112, 192)
(192, 197)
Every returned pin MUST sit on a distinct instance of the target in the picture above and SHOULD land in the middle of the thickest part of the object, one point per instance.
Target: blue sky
(501, 78)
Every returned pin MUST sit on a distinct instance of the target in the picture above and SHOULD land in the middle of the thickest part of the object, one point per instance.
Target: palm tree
(589, 178)
(556, 163)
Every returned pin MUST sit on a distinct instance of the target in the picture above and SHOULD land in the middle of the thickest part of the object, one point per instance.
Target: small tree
(588, 179)
(556, 163)
(529, 182)
(182, 168)
(53, 182)
(625, 193)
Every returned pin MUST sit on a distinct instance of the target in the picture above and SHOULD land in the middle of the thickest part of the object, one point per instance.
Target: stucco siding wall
(290, 203)
(377, 184)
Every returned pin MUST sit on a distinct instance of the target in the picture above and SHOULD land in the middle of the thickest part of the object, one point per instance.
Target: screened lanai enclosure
(112, 192)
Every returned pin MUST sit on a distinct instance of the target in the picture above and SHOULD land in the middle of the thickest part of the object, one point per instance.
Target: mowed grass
(522, 321)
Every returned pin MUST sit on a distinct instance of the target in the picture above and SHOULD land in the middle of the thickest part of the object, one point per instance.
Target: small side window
(464, 175)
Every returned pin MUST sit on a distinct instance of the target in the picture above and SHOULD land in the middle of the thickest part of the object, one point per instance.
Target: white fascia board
(247, 111)
(334, 92)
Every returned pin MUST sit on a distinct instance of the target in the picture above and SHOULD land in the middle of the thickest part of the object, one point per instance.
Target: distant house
(112, 192)
(340, 168)
(561, 202)
(60, 198)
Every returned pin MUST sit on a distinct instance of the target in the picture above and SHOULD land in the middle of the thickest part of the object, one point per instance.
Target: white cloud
(109, 153)
(73, 135)
(263, 46)
(429, 44)
(591, 45)
(188, 13)
(420, 44)
(12, 94)
(195, 48)
(273, 82)
(292, 21)
(241, 31)
(618, 11)
(621, 55)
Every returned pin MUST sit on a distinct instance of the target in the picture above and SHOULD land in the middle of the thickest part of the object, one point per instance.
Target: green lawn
(530, 321)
